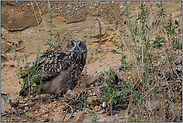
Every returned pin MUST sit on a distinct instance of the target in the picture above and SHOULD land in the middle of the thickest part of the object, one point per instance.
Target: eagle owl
(58, 70)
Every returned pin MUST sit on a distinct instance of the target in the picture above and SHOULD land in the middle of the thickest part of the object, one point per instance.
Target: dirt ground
(53, 110)
(10, 82)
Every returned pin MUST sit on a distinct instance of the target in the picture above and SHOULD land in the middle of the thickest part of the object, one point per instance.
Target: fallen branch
(66, 113)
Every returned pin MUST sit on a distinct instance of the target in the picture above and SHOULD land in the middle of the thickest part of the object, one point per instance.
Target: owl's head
(75, 46)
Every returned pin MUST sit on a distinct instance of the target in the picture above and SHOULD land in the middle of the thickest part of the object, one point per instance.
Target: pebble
(91, 100)
(26, 109)
(101, 112)
(92, 107)
(97, 108)
(80, 116)
(104, 104)
(88, 110)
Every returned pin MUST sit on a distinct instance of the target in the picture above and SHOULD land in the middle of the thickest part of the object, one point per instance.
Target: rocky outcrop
(76, 11)
(18, 16)
(26, 23)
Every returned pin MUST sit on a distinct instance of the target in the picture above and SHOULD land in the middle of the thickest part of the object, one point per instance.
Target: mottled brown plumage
(61, 69)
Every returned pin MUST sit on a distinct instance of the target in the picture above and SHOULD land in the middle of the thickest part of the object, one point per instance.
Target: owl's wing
(48, 66)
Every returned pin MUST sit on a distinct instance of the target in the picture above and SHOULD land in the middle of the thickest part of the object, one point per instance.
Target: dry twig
(99, 34)
(66, 113)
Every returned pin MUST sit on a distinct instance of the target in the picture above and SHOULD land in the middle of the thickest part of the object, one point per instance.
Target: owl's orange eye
(72, 45)
(80, 45)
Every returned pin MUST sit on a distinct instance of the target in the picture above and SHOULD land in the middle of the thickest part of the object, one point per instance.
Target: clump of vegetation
(6, 100)
(148, 55)
(32, 71)
(50, 32)
(116, 91)
(81, 101)
(94, 117)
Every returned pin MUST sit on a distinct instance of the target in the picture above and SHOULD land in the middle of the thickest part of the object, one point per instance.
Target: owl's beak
(77, 48)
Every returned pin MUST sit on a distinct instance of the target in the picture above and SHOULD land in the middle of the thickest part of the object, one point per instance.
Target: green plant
(25, 65)
(120, 44)
(136, 41)
(158, 40)
(32, 71)
(93, 118)
(109, 90)
(113, 95)
(81, 102)
(50, 32)
(148, 46)
(16, 100)
(123, 60)
(172, 36)
(6, 100)
(168, 36)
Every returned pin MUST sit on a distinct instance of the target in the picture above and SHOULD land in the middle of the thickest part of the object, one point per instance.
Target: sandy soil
(10, 82)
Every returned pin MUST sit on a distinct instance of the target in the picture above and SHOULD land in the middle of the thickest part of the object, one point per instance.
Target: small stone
(88, 111)
(91, 100)
(35, 108)
(103, 111)
(104, 104)
(5, 48)
(88, 115)
(26, 109)
(92, 107)
(80, 116)
(97, 108)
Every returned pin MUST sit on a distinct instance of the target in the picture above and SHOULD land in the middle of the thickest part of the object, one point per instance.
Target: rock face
(18, 16)
(76, 11)
(25, 23)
